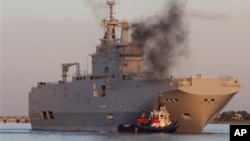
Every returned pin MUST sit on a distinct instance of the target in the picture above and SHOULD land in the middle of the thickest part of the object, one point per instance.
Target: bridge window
(103, 91)
(43, 115)
(50, 115)
(124, 77)
(102, 106)
(46, 115)
(110, 117)
(94, 90)
(94, 93)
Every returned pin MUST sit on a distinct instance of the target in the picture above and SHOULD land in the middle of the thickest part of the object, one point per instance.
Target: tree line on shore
(232, 116)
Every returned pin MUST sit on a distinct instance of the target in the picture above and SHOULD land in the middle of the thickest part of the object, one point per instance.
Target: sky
(37, 36)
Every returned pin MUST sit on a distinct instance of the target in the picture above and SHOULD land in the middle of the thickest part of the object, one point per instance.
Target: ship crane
(65, 69)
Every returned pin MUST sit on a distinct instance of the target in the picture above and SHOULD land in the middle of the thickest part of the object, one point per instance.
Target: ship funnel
(125, 33)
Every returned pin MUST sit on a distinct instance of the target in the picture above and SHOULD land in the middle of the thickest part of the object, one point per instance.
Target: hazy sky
(37, 36)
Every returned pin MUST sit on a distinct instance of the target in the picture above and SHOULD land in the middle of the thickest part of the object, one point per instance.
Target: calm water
(23, 132)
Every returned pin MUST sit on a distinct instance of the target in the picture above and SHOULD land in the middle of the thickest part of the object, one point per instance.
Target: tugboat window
(161, 116)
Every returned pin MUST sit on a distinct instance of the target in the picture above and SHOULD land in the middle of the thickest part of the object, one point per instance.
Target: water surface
(23, 132)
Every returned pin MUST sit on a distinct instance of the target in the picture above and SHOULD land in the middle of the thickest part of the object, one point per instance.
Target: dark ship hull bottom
(84, 121)
(147, 128)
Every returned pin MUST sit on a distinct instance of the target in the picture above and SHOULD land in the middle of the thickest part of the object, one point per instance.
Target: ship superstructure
(118, 91)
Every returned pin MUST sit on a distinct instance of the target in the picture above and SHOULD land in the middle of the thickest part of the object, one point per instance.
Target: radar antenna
(111, 9)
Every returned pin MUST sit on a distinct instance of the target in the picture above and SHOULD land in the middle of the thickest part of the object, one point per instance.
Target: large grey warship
(118, 90)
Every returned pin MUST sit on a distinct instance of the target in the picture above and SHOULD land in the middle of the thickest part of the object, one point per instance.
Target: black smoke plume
(163, 39)
(97, 8)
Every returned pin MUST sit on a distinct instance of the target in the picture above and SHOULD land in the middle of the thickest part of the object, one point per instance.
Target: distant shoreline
(231, 122)
(23, 119)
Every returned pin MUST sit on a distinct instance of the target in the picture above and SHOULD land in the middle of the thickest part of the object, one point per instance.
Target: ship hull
(194, 111)
(72, 106)
(195, 114)
(84, 122)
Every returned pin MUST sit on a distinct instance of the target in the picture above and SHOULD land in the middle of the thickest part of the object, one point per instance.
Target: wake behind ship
(118, 90)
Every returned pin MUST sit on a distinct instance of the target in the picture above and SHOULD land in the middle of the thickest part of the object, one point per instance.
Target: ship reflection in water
(124, 82)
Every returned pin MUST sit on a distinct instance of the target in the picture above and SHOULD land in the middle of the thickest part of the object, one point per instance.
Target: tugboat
(157, 122)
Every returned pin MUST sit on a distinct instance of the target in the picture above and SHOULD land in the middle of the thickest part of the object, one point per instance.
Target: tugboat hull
(147, 128)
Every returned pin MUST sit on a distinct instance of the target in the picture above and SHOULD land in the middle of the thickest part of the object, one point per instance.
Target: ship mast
(111, 9)
(110, 25)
